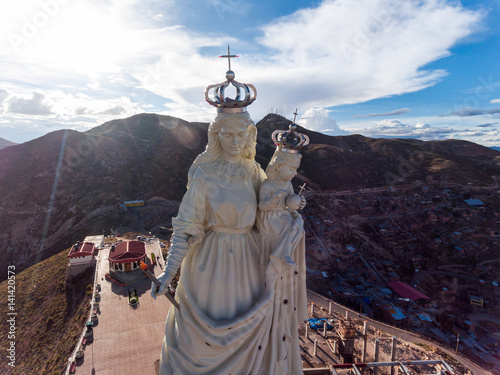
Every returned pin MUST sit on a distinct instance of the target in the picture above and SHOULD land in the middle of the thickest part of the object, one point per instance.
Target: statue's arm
(269, 197)
(189, 230)
(186, 235)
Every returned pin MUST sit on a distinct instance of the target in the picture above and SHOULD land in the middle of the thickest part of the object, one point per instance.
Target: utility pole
(393, 353)
(365, 338)
(377, 350)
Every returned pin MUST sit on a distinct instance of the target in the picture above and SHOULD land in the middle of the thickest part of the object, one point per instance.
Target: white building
(81, 253)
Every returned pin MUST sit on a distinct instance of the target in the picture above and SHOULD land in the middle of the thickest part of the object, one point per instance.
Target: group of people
(240, 244)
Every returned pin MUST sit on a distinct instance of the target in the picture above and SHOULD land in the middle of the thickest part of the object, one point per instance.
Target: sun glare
(83, 39)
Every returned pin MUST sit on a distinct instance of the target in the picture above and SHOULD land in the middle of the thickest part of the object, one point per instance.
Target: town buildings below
(425, 258)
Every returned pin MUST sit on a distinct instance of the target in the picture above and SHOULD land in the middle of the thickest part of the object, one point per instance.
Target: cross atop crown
(228, 56)
(245, 93)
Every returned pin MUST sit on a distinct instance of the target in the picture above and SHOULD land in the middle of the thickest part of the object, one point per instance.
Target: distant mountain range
(5, 143)
(496, 148)
(60, 187)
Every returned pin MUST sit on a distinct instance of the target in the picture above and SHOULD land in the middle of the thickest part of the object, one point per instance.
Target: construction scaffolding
(347, 336)
(405, 367)
(353, 347)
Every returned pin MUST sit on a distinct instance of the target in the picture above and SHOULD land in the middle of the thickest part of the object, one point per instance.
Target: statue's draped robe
(229, 316)
(283, 240)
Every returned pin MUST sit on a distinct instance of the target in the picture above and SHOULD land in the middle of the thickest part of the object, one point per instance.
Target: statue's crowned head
(290, 140)
(231, 112)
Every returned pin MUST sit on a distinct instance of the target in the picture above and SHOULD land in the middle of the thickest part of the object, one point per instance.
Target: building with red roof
(407, 291)
(127, 256)
(81, 253)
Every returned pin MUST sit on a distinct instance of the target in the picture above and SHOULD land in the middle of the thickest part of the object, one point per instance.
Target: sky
(426, 69)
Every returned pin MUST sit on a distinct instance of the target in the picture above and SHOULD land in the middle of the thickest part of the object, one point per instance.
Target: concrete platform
(126, 340)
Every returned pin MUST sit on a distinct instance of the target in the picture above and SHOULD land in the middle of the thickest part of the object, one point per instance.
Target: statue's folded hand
(165, 279)
(194, 240)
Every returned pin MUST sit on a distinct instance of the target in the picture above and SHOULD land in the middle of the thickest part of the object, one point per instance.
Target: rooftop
(474, 202)
(81, 249)
(126, 252)
(406, 291)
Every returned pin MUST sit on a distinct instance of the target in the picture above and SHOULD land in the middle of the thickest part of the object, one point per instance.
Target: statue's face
(232, 137)
(287, 172)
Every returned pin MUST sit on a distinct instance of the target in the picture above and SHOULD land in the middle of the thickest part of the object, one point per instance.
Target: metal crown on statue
(245, 93)
(290, 140)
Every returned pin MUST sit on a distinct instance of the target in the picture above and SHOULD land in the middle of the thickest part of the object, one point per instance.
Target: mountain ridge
(57, 188)
(6, 143)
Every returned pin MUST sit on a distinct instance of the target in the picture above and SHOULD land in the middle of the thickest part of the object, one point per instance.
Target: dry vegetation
(51, 313)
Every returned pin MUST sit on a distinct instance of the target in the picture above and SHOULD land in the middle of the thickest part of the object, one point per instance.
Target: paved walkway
(126, 340)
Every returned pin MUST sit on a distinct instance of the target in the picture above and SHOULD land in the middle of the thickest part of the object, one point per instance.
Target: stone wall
(75, 270)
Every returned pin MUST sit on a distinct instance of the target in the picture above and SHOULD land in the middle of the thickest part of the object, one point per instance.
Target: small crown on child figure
(245, 92)
(290, 140)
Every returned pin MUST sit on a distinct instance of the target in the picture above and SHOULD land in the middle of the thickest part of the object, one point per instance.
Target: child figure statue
(278, 205)
(282, 236)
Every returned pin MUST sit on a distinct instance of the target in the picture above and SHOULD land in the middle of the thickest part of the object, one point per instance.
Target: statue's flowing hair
(214, 149)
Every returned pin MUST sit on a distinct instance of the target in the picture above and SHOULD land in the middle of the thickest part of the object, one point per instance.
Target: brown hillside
(58, 188)
(51, 313)
(49, 187)
(355, 161)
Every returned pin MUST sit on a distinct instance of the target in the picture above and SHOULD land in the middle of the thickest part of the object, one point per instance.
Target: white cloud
(200, 112)
(68, 106)
(63, 108)
(36, 105)
(180, 72)
(487, 125)
(422, 125)
(3, 95)
(336, 53)
(318, 119)
(396, 112)
(392, 128)
(495, 101)
(469, 111)
(345, 52)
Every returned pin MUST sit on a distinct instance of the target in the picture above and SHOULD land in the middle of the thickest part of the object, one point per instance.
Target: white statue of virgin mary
(234, 317)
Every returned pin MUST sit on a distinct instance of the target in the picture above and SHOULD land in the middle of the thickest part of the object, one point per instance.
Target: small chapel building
(127, 256)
